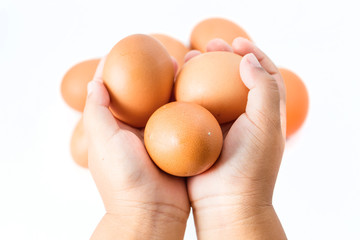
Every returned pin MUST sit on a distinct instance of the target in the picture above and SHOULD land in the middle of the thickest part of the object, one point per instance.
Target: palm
(119, 163)
(134, 175)
(230, 167)
(245, 165)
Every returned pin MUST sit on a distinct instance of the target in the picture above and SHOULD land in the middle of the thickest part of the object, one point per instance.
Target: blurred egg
(183, 139)
(211, 28)
(297, 101)
(74, 83)
(139, 76)
(213, 81)
(175, 48)
(79, 145)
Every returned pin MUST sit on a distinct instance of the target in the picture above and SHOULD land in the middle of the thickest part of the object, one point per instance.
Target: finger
(99, 70)
(242, 47)
(99, 122)
(175, 64)
(218, 44)
(263, 106)
(189, 55)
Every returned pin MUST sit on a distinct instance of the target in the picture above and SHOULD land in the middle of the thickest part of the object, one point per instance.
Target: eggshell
(175, 48)
(74, 83)
(297, 101)
(139, 76)
(183, 139)
(213, 81)
(79, 145)
(211, 28)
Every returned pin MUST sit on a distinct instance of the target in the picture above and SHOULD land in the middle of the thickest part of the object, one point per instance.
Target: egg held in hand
(213, 81)
(297, 101)
(139, 75)
(183, 139)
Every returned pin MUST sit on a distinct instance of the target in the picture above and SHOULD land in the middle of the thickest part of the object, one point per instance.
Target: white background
(44, 195)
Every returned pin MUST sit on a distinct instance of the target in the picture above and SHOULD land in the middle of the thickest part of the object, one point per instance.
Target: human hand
(141, 201)
(233, 199)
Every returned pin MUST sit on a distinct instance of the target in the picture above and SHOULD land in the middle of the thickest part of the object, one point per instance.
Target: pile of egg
(181, 111)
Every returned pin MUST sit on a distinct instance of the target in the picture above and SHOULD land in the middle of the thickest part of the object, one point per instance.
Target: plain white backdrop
(44, 195)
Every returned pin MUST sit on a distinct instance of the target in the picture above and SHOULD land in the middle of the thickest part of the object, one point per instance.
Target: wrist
(143, 221)
(234, 217)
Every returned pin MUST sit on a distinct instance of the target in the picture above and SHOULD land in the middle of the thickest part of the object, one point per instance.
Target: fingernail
(218, 44)
(253, 60)
(98, 79)
(236, 41)
(90, 87)
(192, 53)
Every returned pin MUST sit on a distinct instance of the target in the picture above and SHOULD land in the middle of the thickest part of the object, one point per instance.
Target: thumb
(263, 106)
(99, 122)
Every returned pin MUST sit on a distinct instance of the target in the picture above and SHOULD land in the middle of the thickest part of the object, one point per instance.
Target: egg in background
(297, 101)
(183, 139)
(74, 83)
(175, 48)
(211, 28)
(79, 145)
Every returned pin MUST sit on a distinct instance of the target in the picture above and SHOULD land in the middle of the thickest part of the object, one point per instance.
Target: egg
(297, 101)
(183, 139)
(211, 28)
(139, 76)
(74, 83)
(175, 48)
(213, 81)
(79, 145)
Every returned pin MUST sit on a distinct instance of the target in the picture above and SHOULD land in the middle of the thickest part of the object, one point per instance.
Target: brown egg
(175, 48)
(183, 139)
(74, 83)
(139, 76)
(79, 145)
(211, 28)
(297, 101)
(213, 81)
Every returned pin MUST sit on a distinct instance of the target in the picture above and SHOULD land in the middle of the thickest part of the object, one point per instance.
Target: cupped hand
(131, 186)
(240, 185)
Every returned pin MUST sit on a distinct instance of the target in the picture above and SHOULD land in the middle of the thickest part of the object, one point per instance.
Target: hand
(141, 201)
(233, 199)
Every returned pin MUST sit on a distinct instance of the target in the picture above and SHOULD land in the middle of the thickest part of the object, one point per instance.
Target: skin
(232, 200)
(141, 201)
(237, 200)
